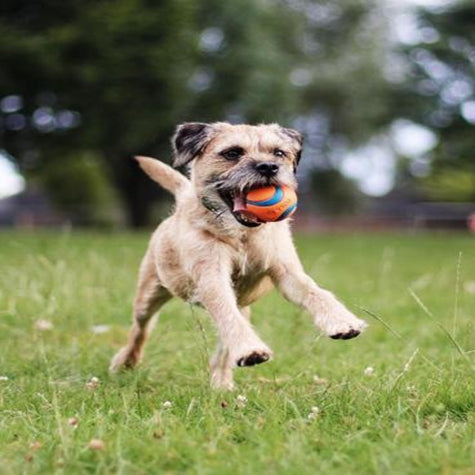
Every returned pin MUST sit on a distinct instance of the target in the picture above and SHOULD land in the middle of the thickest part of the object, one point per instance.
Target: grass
(414, 414)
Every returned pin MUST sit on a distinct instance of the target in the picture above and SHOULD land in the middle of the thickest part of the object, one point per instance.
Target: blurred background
(383, 91)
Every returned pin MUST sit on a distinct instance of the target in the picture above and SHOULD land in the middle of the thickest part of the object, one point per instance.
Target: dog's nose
(267, 168)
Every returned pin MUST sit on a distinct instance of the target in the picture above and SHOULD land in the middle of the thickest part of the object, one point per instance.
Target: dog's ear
(297, 138)
(189, 141)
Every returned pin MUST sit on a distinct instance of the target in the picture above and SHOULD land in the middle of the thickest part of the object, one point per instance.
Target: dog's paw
(256, 357)
(250, 354)
(346, 336)
(123, 360)
(346, 329)
(341, 325)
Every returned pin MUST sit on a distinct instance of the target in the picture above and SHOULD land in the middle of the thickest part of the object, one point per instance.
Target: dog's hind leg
(149, 297)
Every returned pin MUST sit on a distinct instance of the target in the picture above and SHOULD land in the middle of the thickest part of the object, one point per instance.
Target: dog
(210, 253)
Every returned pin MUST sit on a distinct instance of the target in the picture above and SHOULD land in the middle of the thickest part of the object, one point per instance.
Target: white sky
(424, 3)
(11, 182)
(373, 165)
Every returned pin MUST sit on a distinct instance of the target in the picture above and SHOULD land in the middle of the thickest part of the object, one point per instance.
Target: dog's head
(228, 160)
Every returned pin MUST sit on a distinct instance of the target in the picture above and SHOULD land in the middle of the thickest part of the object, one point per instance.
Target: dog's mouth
(236, 202)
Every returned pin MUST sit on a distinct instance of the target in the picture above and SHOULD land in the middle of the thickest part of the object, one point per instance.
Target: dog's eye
(232, 153)
(279, 153)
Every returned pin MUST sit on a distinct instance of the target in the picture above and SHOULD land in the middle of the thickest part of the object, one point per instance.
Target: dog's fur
(204, 255)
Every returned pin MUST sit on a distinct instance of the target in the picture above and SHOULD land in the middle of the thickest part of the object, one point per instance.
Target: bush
(80, 187)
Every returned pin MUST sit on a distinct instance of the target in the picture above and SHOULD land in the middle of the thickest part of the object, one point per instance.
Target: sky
(424, 3)
(11, 182)
(373, 165)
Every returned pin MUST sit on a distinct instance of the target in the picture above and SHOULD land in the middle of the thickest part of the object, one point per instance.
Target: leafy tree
(122, 64)
(131, 69)
(441, 95)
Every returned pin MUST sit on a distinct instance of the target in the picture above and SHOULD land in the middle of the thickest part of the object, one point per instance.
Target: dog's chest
(250, 265)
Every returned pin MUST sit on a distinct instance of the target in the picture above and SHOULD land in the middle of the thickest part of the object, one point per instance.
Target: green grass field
(414, 414)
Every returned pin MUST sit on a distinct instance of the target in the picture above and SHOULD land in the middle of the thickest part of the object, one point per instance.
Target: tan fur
(165, 176)
(204, 256)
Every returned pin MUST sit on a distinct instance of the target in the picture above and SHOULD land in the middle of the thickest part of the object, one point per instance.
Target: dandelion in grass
(93, 383)
(241, 401)
(43, 325)
(369, 371)
(167, 405)
(314, 413)
(96, 444)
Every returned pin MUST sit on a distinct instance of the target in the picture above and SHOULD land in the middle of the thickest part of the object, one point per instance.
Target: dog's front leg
(329, 315)
(239, 345)
(221, 365)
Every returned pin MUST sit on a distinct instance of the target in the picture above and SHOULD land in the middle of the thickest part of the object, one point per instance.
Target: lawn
(398, 399)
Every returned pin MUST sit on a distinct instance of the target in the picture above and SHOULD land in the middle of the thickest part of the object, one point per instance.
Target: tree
(121, 64)
(441, 92)
(130, 70)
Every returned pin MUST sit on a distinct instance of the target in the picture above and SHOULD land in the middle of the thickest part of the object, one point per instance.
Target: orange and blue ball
(271, 203)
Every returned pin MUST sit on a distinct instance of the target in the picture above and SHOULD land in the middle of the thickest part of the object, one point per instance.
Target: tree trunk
(136, 190)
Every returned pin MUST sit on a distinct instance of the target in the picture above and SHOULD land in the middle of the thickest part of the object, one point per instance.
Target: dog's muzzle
(267, 169)
(236, 202)
(233, 188)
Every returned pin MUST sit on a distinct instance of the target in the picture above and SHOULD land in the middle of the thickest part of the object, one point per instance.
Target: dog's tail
(163, 174)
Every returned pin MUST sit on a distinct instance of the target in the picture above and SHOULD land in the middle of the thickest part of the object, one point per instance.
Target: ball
(271, 203)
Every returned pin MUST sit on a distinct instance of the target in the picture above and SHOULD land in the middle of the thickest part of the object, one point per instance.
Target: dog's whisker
(218, 215)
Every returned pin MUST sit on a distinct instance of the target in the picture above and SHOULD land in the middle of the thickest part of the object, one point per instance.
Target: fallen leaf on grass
(96, 444)
(73, 422)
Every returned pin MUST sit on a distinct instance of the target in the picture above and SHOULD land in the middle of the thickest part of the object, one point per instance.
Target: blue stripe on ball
(276, 198)
(286, 212)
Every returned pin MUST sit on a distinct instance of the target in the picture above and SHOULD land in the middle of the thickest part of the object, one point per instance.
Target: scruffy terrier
(211, 253)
